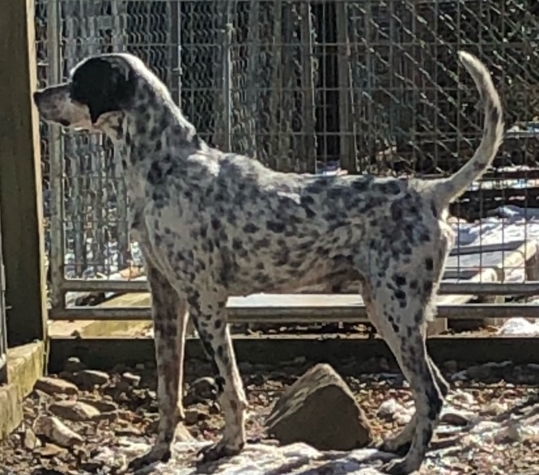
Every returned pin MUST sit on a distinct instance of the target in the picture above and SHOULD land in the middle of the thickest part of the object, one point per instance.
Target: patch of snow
(255, 459)
(393, 411)
(519, 326)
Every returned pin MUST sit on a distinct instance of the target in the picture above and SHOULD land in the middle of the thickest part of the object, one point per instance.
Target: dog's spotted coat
(214, 224)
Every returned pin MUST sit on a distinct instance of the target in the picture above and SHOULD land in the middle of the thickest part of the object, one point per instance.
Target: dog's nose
(37, 95)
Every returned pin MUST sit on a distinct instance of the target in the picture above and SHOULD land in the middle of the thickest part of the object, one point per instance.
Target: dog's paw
(393, 447)
(158, 453)
(217, 451)
(396, 467)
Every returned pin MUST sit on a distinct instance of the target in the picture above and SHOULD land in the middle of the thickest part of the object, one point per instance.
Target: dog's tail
(447, 189)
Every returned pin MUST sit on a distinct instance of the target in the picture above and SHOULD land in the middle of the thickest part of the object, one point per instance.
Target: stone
(55, 430)
(30, 440)
(74, 410)
(192, 416)
(201, 390)
(182, 434)
(320, 410)
(56, 386)
(495, 407)
(128, 432)
(73, 364)
(455, 417)
(50, 450)
(131, 379)
(89, 378)
(391, 410)
(103, 405)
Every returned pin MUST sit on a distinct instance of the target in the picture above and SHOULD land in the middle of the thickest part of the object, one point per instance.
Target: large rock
(319, 409)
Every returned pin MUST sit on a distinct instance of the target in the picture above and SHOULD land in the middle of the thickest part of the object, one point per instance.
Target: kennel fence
(333, 86)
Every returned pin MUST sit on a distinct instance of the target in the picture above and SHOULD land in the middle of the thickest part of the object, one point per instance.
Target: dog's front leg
(169, 313)
(208, 312)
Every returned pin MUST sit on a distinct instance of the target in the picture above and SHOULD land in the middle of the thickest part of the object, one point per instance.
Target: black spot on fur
(262, 243)
(215, 224)
(390, 188)
(250, 228)
(435, 403)
(396, 211)
(155, 175)
(361, 184)
(275, 226)
(220, 383)
(495, 113)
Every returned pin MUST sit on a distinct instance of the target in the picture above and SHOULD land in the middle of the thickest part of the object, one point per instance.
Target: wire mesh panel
(306, 86)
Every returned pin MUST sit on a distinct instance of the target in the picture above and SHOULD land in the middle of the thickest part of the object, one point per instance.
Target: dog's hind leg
(400, 317)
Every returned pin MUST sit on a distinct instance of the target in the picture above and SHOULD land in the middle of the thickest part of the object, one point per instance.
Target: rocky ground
(84, 421)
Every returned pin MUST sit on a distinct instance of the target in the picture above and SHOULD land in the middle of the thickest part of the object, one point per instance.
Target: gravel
(490, 423)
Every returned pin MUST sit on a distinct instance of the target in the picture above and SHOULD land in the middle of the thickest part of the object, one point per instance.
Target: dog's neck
(144, 134)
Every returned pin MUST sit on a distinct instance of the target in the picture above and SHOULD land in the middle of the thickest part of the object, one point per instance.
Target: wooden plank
(20, 176)
(275, 308)
(506, 261)
(485, 276)
(478, 249)
(327, 301)
(104, 353)
(453, 284)
(352, 312)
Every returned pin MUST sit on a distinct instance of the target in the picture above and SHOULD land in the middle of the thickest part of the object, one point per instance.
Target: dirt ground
(124, 403)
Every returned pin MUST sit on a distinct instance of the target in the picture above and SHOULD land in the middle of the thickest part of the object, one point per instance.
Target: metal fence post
(56, 261)
(227, 83)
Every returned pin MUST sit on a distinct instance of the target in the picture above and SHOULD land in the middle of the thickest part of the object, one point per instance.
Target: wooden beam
(20, 176)
(104, 353)
(282, 312)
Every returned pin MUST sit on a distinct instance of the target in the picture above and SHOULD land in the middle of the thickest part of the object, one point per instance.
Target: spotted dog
(214, 224)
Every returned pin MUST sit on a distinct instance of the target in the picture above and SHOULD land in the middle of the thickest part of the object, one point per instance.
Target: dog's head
(99, 87)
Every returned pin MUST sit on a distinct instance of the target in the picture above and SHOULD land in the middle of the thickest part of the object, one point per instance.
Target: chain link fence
(307, 86)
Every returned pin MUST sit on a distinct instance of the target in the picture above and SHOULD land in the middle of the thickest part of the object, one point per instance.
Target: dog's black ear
(104, 85)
